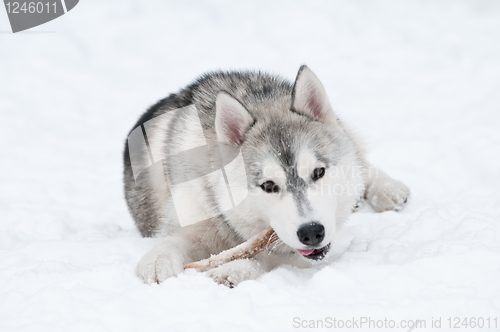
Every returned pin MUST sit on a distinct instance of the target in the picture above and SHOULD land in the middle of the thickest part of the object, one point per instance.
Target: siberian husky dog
(300, 170)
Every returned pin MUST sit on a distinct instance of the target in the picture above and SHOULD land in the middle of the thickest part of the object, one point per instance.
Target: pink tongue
(305, 252)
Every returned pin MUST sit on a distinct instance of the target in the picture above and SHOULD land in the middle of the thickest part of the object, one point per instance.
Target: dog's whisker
(273, 238)
(277, 243)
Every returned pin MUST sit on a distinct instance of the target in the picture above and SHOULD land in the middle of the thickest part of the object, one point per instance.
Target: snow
(419, 80)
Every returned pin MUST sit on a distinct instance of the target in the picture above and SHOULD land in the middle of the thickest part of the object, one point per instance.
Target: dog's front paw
(232, 273)
(387, 194)
(159, 264)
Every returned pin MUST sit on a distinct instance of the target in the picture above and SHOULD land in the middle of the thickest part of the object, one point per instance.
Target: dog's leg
(235, 272)
(186, 245)
(384, 193)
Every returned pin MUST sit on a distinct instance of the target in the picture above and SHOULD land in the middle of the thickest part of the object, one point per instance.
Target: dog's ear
(232, 120)
(309, 97)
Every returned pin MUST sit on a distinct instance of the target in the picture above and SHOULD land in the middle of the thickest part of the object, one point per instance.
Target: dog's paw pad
(401, 203)
(359, 204)
(223, 280)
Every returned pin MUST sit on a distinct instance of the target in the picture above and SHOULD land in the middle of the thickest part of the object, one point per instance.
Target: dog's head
(304, 175)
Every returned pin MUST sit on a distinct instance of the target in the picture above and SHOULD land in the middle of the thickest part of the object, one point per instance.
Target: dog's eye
(270, 187)
(318, 173)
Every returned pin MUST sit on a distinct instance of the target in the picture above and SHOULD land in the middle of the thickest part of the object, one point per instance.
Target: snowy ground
(419, 80)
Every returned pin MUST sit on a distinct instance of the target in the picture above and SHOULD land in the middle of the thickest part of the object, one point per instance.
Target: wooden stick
(247, 249)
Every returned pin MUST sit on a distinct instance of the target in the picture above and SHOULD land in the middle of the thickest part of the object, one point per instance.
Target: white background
(419, 80)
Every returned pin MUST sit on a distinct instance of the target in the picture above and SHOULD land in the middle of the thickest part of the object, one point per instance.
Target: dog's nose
(311, 234)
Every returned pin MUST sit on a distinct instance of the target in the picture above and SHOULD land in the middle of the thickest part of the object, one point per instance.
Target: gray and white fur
(306, 173)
